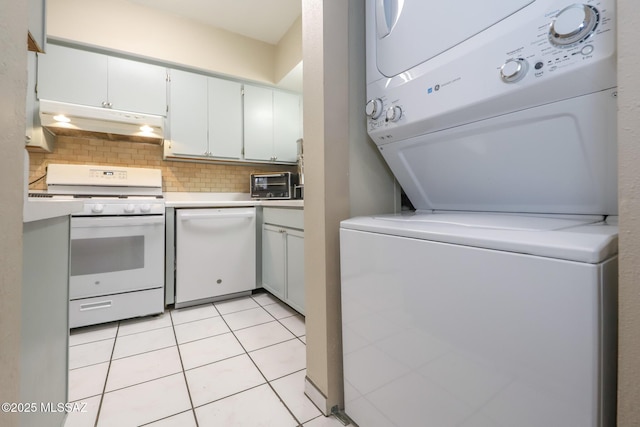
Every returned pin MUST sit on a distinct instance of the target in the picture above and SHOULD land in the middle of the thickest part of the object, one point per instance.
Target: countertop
(36, 208)
(220, 200)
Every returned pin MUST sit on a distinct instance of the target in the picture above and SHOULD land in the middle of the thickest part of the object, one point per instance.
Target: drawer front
(91, 311)
(286, 217)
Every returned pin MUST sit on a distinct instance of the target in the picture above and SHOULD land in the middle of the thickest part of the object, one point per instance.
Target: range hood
(62, 119)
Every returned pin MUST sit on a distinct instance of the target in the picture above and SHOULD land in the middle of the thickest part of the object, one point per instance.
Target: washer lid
(586, 238)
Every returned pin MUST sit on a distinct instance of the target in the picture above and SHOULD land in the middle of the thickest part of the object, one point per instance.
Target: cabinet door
(273, 260)
(295, 269)
(35, 137)
(225, 118)
(188, 114)
(137, 87)
(258, 123)
(72, 75)
(286, 126)
(37, 23)
(45, 322)
(31, 95)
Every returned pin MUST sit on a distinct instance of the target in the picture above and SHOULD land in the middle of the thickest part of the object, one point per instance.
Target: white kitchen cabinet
(258, 123)
(283, 255)
(137, 86)
(44, 329)
(274, 260)
(187, 114)
(37, 25)
(225, 118)
(287, 126)
(205, 116)
(36, 138)
(215, 254)
(87, 78)
(272, 125)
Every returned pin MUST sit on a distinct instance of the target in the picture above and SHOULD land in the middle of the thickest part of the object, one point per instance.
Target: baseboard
(316, 396)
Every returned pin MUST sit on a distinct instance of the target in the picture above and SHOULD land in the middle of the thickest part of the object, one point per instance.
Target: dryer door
(438, 25)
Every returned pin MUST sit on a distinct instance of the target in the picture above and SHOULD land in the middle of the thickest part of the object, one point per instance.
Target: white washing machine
(494, 303)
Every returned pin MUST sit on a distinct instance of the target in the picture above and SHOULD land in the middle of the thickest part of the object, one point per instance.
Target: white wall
(288, 53)
(629, 201)
(13, 87)
(339, 160)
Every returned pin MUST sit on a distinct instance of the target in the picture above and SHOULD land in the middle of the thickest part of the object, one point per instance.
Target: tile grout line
(259, 370)
(106, 378)
(184, 374)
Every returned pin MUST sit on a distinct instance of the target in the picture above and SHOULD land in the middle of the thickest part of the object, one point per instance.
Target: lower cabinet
(283, 255)
(45, 326)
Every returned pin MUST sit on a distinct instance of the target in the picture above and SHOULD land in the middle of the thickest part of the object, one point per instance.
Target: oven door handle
(115, 221)
(216, 215)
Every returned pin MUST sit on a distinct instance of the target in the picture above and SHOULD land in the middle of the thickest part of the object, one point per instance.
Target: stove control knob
(146, 208)
(573, 24)
(514, 70)
(373, 109)
(97, 208)
(393, 114)
(129, 208)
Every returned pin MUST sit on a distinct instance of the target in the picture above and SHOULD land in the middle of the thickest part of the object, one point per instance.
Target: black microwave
(278, 185)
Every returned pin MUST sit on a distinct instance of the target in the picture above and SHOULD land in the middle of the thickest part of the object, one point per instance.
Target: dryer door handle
(387, 14)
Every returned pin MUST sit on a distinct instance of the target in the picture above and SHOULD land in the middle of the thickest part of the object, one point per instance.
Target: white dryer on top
(505, 106)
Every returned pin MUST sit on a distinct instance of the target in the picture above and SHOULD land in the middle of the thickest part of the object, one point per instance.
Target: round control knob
(373, 109)
(146, 208)
(129, 208)
(97, 208)
(573, 24)
(513, 70)
(393, 114)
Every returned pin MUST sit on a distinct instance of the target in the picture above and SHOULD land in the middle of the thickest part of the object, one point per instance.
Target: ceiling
(264, 20)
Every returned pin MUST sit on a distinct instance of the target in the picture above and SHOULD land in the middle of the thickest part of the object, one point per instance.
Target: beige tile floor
(233, 363)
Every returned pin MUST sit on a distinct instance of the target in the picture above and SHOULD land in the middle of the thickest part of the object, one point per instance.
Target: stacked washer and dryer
(494, 303)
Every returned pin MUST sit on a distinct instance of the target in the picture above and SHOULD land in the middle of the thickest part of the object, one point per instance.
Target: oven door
(116, 254)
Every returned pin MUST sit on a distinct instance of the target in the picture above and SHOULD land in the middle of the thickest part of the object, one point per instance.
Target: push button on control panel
(587, 50)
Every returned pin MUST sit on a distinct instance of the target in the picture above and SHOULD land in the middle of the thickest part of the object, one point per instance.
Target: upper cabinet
(205, 116)
(87, 78)
(208, 118)
(36, 37)
(287, 125)
(272, 124)
(258, 123)
(187, 115)
(225, 118)
(36, 138)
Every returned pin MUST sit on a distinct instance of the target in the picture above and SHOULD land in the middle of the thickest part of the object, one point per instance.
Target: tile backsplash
(176, 176)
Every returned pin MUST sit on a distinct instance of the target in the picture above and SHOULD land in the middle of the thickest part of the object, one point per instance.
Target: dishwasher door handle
(226, 215)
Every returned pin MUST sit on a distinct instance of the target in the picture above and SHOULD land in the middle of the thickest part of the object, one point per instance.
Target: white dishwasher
(215, 254)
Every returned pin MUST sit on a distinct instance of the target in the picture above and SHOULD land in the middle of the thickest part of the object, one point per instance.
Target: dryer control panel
(546, 52)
